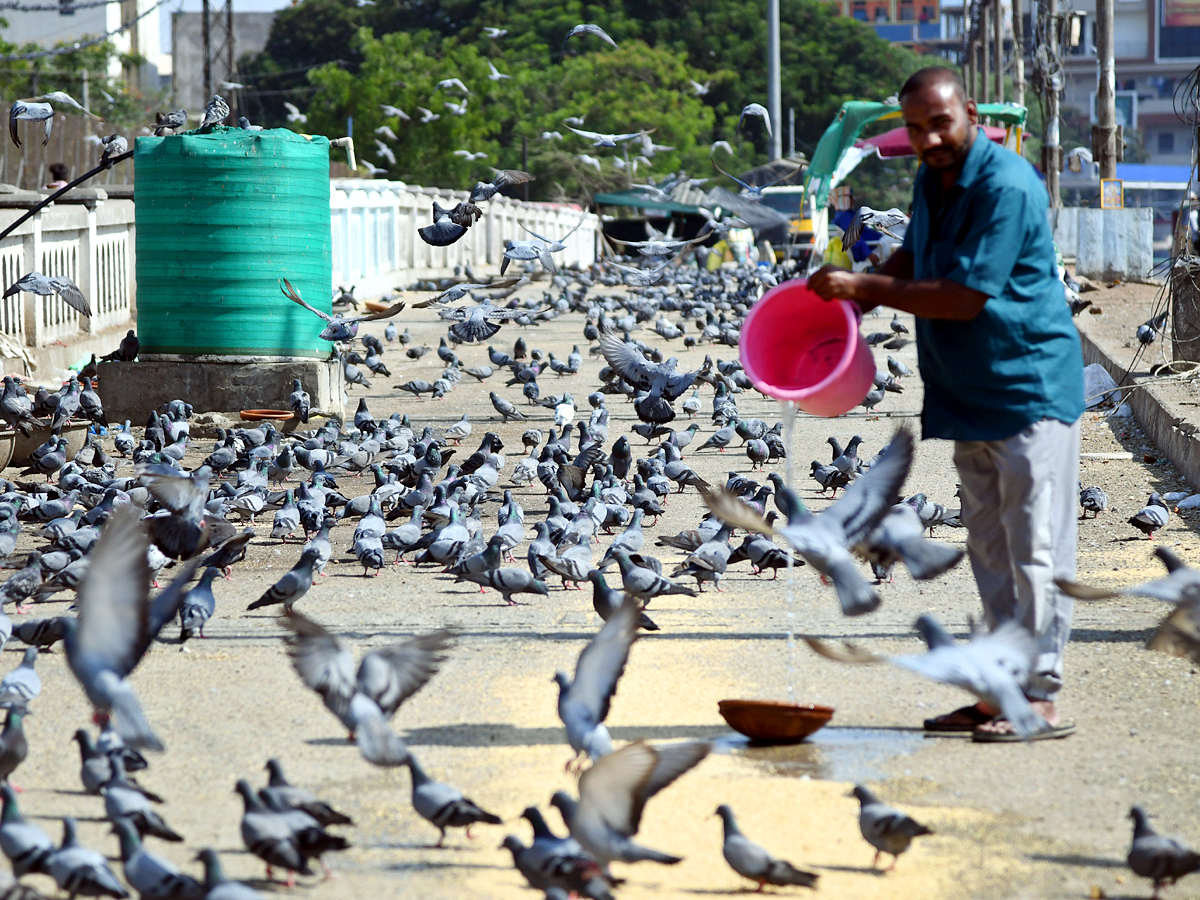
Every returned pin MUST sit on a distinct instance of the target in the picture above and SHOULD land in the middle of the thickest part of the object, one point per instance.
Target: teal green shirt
(1019, 360)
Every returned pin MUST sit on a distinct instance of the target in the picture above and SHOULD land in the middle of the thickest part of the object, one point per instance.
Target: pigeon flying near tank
(339, 327)
(504, 177)
(65, 288)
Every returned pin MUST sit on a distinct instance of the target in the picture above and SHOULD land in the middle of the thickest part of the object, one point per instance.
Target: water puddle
(832, 754)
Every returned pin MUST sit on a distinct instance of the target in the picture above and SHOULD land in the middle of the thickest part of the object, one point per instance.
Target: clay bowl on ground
(8, 440)
(270, 415)
(75, 431)
(773, 721)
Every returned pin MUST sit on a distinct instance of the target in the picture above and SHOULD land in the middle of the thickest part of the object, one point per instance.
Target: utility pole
(998, 48)
(1051, 151)
(969, 48)
(791, 132)
(1018, 30)
(773, 87)
(1105, 146)
(985, 68)
(230, 59)
(206, 41)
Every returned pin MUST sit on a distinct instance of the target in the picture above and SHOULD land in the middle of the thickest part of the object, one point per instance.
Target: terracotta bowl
(274, 415)
(774, 722)
(75, 431)
(8, 440)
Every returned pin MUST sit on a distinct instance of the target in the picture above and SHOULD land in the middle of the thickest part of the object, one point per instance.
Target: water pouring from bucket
(808, 354)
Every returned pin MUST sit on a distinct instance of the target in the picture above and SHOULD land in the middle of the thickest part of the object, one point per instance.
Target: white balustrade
(90, 243)
(376, 246)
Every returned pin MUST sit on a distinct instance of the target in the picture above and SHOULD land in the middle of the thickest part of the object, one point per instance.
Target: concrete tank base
(131, 390)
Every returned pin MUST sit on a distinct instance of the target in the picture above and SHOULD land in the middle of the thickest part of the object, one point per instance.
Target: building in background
(1157, 44)
(68, 24)
(250, 33)
(916, 23)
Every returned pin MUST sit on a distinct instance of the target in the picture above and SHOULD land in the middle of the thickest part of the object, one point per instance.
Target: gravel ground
(1044, 820)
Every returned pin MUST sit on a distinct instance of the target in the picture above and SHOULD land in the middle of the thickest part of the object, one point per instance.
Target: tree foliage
(337, 60)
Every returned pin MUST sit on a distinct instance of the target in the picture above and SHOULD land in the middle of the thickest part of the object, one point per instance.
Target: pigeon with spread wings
(44, 285)
(339, 327)
(608, 140)
(364, 700)
(662, 382)
(118, 621)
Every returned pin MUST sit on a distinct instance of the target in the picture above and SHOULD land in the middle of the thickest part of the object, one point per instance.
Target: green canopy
(848, 124)
(641, 200)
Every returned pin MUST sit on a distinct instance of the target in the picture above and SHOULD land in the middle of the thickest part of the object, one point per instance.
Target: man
(1002, 367)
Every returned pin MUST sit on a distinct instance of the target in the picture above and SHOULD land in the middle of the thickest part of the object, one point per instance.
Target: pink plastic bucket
(796, 346)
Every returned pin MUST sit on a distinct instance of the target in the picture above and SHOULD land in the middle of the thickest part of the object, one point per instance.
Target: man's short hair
(59, 171)
(933, 76)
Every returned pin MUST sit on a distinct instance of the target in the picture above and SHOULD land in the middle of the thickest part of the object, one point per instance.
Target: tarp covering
(848, 124)
(643, 200)
(768, 224)
(895, 143)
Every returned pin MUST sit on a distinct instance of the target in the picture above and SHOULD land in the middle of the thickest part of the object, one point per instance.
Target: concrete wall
(1115, 244)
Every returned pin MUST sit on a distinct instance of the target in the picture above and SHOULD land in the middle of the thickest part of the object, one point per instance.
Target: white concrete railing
(376, 246)
(92, 244)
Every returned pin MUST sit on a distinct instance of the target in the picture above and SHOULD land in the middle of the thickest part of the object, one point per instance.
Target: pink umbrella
(895, 142)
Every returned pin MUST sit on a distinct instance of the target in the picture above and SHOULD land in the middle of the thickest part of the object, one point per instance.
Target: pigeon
(153, 877)
(508, 581)
(280, 794)
(444, 231)
(643, 583)
(30, 111)
(994, 666)
(14, 746)
(299, 400)
(661, 381)
(887, 222)
(198, 606)
(444, 805)
(901, 537)
(366, 700)
(1092, 500)
(506, 409)
(27, 847)
(823, 540)
(1149, 330)
(293, 585)
(504, 177)
(215, 113)
(217, 886)
(614, 792)
(600, 139)
(1162, 859)
(755, 109)
(175, 120)
(1151, 517)
(271, 836)
(583, 702)
(478, 323)
(752, 861)
(65, 288)
(339, 328)
(886, 829)
(79, 870)
(123, 800)
(22, 684)
(118, 621)
(583, 29)
(184, 533)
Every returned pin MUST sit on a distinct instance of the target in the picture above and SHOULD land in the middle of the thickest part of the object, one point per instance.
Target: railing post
(86, 278)
(32, 246)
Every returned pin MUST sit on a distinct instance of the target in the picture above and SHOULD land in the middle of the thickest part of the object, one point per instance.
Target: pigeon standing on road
(886, 829)
(1151, 517)
(1162, 859)
(1092, 500)
(752, 861)
(293, 585)
(80, 870)
(444, 805)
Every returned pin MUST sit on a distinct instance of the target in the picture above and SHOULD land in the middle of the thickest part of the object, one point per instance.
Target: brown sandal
(963, 720)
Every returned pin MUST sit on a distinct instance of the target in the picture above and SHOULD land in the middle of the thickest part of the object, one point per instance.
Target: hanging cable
(83, 45)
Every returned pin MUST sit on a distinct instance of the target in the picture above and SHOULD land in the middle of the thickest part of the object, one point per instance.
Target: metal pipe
(998, 48)
(985, 49)
(773, 84)
(1018, 31)
(1104, 135)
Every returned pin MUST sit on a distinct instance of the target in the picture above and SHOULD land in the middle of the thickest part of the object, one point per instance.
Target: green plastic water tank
(221, 218)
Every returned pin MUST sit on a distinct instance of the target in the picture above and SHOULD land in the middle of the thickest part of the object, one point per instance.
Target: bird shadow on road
(1075, 859)
(854, 870)
(501, 734)
(426, 866)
